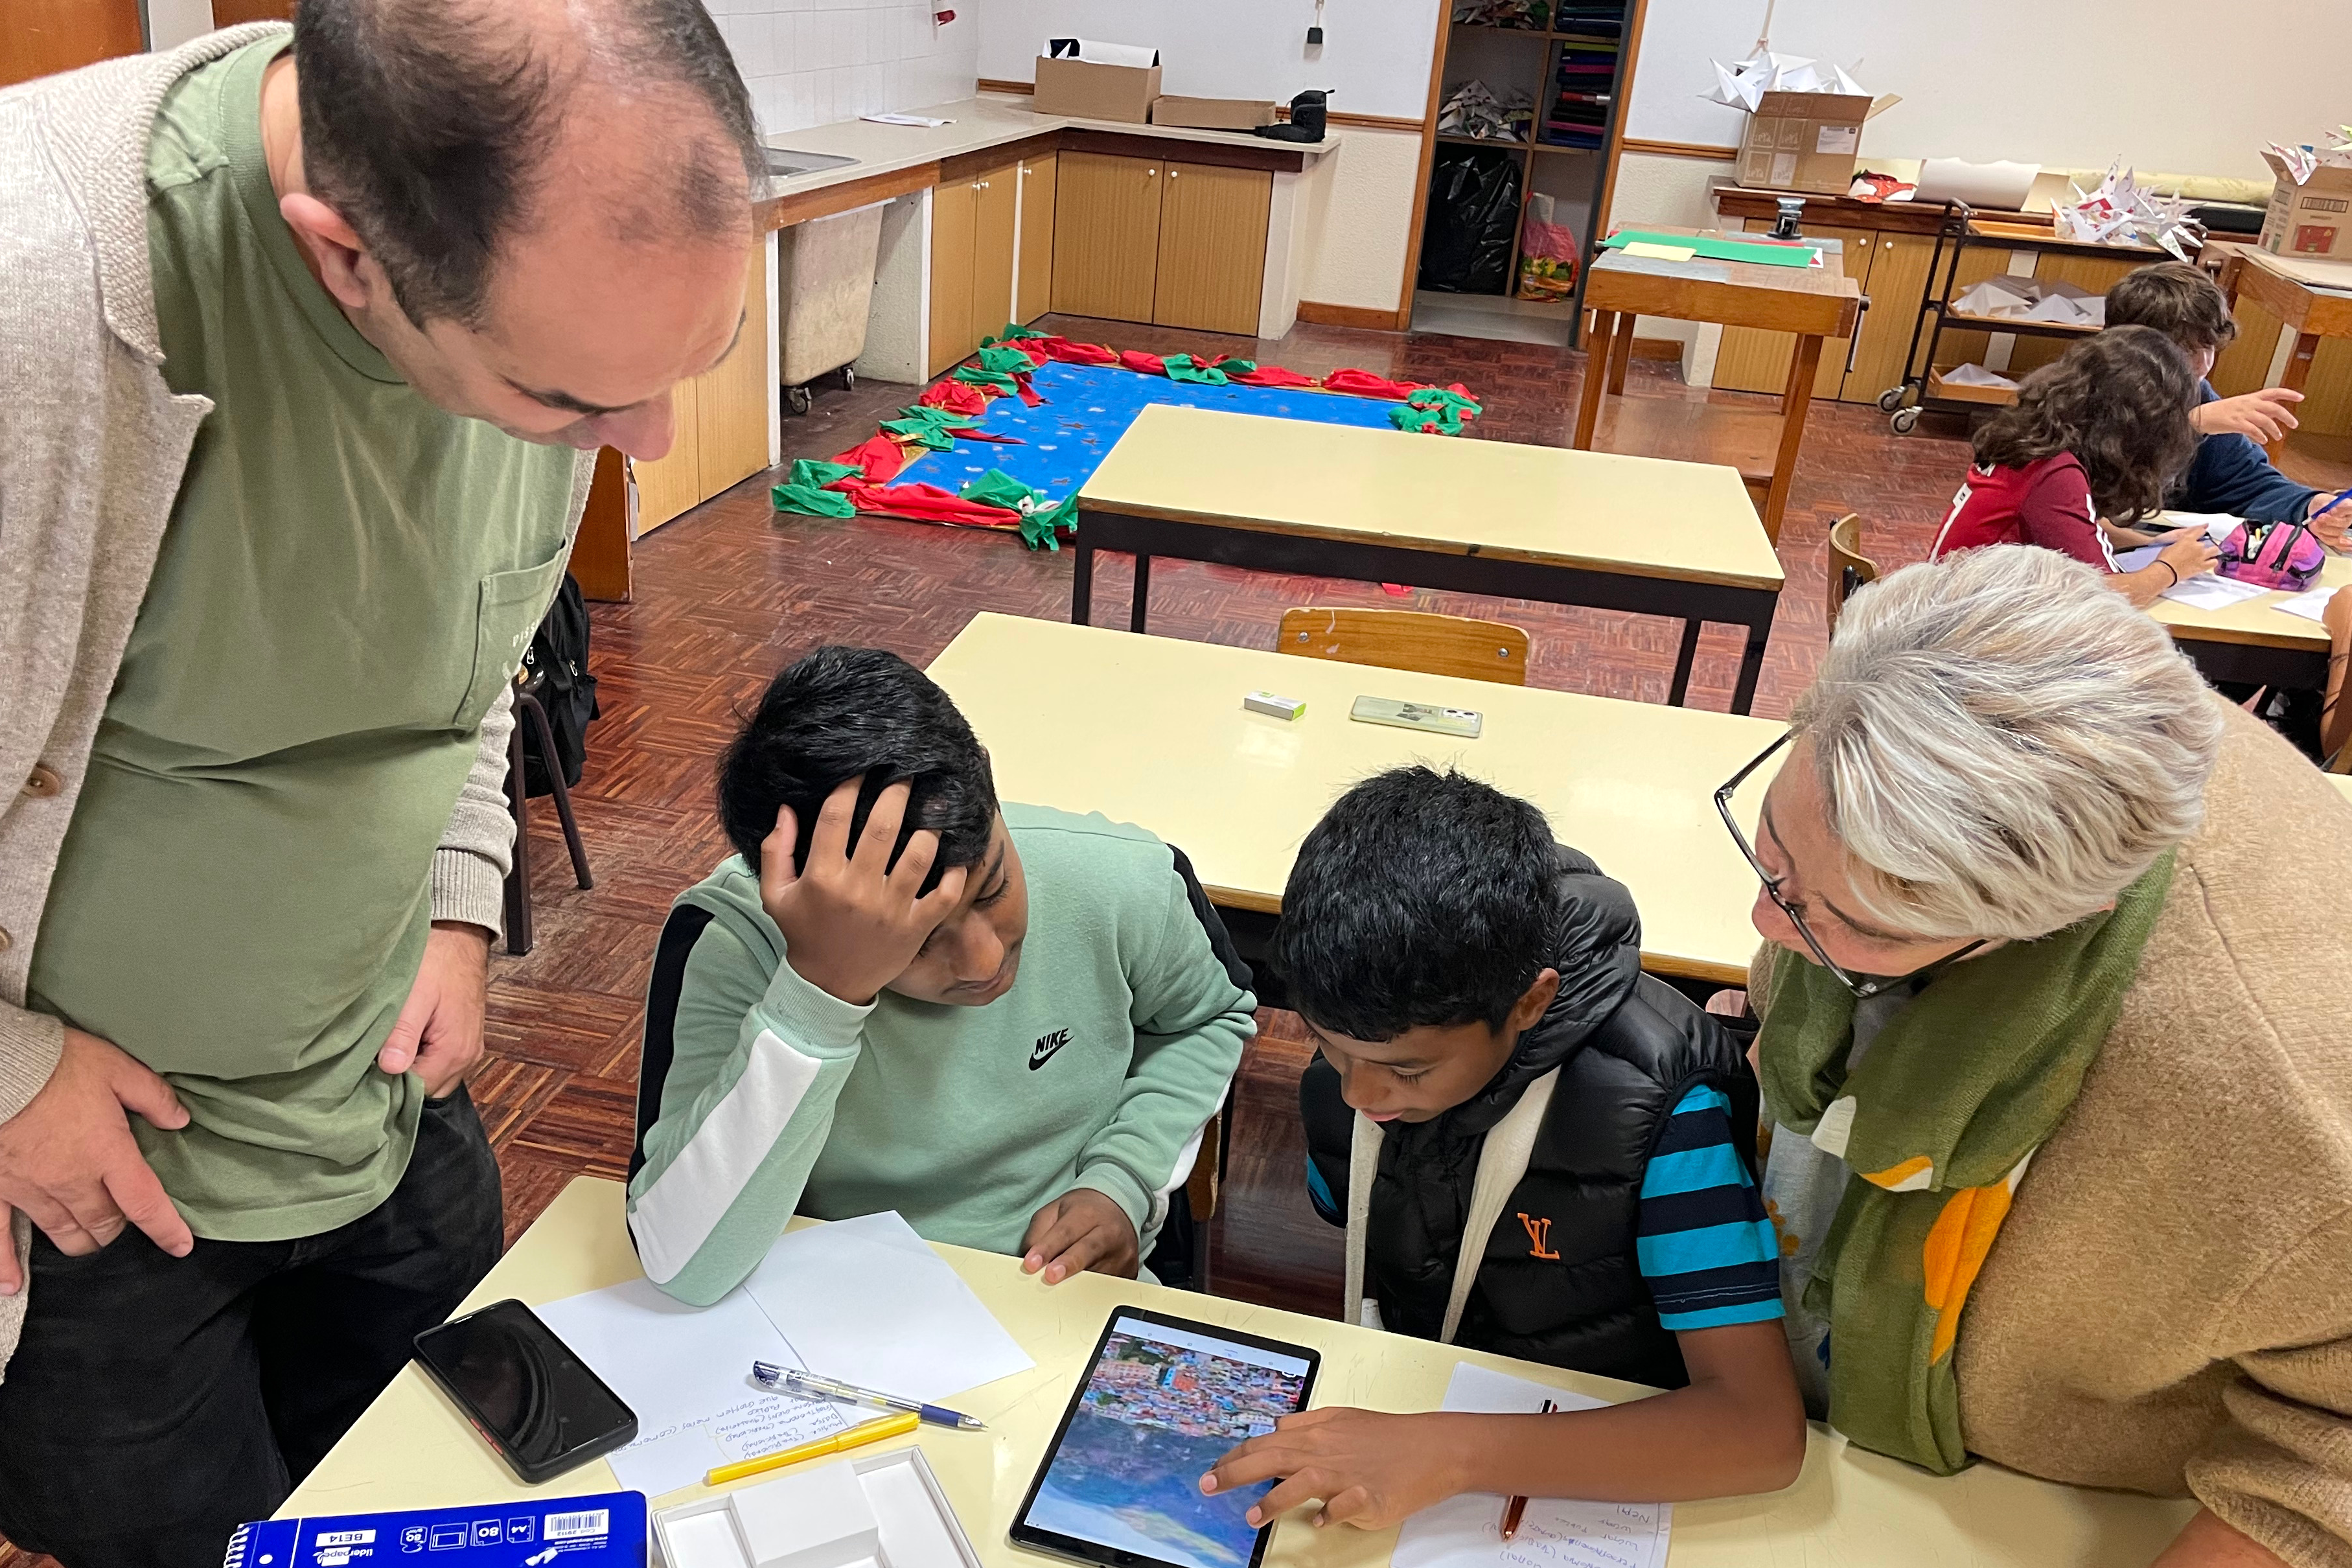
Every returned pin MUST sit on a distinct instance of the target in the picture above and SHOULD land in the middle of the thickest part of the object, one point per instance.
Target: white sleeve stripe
(680, 1211)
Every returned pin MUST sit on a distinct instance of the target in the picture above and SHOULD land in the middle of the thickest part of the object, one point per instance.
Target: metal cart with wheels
(1961, 230)
(825, 292)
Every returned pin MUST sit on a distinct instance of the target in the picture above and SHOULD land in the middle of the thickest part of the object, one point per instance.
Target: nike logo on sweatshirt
(1043, 1051)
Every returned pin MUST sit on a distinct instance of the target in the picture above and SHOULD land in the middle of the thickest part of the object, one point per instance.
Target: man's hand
(439, 1030)
(852, 923)
(2265, 415)
(69, 1160)
(1081, 1231)
(2330, 523)
(1369, 1469)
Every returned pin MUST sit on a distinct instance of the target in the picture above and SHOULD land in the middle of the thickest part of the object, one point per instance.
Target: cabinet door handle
(1153, 173)
(1172, 174)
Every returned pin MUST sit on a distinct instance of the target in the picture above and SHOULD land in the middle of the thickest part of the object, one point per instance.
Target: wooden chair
(1849, 567)
(1406, 639)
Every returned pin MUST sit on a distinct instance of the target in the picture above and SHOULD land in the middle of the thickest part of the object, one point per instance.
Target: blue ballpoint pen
(809, 1385)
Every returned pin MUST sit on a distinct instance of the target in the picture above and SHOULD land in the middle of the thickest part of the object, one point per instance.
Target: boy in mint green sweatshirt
(1009, 1024)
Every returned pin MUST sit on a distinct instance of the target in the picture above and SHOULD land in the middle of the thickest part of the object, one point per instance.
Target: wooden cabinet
(1753, 360)
(720, 419)
(1182, 244)
(1106, 237)
(39, 36)
(1033, 288)
(1212, 247)
(972, 220)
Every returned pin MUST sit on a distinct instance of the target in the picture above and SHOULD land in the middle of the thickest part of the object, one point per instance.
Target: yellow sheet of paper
(1659, 252)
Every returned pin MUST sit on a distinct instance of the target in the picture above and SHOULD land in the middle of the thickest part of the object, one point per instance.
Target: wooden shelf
(1961, 321)
(1556, 147)
(1452, 139)
(1989, 396)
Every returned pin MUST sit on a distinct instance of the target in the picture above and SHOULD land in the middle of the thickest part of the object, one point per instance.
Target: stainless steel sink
(783, 163)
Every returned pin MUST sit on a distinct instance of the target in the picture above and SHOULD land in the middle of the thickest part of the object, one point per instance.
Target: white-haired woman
(2053, 1030)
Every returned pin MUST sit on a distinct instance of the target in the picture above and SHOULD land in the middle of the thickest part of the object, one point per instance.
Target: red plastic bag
(1546, 254)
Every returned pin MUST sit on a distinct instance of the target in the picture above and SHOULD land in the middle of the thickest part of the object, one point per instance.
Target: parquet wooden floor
(728, 595)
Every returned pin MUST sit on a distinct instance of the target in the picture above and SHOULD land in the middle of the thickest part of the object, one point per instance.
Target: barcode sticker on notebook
(575, 1526)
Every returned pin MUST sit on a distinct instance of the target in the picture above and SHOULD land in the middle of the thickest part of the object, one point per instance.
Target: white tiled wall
(811, 62)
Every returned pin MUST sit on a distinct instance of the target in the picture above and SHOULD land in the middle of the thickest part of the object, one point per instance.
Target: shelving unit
(1578, 179)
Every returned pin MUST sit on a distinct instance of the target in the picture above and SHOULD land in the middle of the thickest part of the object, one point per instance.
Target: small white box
(1280, 707)
(800, 1516)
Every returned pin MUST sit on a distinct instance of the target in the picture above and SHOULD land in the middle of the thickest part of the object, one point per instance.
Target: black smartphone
(535, 1402)
(1163, 1399)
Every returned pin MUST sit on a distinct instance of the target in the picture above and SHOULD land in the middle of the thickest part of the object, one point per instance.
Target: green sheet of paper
(1719, 250)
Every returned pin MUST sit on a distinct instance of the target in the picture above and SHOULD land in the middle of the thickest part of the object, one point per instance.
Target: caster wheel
(797, 399)
(1904, 421)
(848, 378)
(1891, 399)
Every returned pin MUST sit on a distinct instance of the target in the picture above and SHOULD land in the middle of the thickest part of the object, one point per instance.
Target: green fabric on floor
(1184, 367)
(933, 429)
(1434, 410)
(810, 501)
(1041, 525)
(980, 375)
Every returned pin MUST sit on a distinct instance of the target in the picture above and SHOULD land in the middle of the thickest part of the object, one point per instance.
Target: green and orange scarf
(1939, 1122)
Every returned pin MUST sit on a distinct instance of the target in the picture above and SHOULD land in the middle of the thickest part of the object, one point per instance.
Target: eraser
(1280, 707)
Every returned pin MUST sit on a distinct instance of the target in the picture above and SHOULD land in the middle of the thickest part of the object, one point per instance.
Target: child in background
(2091, 443)
(1475, 991)
(2231, 473)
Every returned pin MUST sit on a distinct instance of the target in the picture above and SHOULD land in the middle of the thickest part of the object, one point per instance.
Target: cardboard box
(607, 1531)
(1806, 141)
(1213, 114)
(2313, 219)
(1085, 90)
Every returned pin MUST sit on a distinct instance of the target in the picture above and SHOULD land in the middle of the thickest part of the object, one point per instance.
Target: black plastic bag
(1473, 212)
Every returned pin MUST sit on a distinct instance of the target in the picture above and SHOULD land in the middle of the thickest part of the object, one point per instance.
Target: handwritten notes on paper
(866, 1301)
(1465, 1532)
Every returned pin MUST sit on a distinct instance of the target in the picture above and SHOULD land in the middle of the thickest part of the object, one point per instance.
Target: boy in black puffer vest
(1497, 1078)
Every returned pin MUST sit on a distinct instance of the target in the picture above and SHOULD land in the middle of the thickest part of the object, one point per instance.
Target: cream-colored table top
(412, 1449)
(2342, 782)
(1643, 517)
(1151, 731)
(2253, 620)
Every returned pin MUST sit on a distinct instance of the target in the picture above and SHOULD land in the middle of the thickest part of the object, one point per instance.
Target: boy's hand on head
(852, 922)
(2264, 415)
(1081, 1231)
(1369, 1469)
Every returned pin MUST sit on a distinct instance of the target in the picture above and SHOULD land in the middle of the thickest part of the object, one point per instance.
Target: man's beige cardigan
(92, 448)
(2169, 1308)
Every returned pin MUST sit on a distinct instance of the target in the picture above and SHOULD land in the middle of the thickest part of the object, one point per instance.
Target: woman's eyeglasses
(1862, 988)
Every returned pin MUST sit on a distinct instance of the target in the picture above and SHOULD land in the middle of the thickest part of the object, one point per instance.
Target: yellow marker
(855, 1438)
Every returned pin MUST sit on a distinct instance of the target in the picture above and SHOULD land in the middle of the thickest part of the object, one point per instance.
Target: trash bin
(825, 292)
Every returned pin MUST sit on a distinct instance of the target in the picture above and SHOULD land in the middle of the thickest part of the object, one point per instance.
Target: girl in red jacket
(2088, 449)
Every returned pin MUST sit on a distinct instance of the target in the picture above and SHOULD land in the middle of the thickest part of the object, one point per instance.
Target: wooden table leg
(2298, 370)
(1597, 334)
(1678, 688)
(1139, 609)
(1621, 353)
(1795, 399)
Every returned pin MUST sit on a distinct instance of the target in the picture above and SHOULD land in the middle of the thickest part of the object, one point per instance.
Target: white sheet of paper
(867, 1302)
(924, 120)
(687, 1372)
(2136, 558)
(1465, 1532)
(2217, 525)
(2311, 605)
(2211, 591)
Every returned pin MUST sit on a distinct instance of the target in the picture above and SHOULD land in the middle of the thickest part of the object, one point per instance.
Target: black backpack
(557, 655)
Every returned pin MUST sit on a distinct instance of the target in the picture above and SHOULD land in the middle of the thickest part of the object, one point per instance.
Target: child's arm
(1739, 1427)
(758, 1067)
(1193, 1013)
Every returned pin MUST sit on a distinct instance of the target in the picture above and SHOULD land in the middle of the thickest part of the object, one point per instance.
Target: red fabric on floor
(1269, 375)
(1149, 364)
(881, 457)
(933, 504)
(1029, 395)
(1069, 353)
(956, 397)
(1364, 384)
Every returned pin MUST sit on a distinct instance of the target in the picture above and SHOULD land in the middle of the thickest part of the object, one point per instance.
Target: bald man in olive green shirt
(301, 374)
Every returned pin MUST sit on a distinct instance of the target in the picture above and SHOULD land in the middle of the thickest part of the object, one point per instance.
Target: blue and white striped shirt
(1703, 1241)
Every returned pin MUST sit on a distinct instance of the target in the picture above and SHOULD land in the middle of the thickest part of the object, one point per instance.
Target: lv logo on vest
(1538, 1238)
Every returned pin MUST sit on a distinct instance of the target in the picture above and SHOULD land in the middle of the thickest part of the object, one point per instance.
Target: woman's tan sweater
(2169, 1308)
